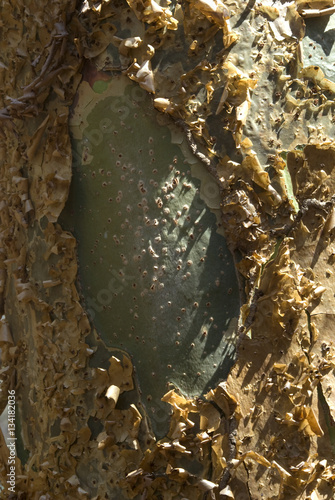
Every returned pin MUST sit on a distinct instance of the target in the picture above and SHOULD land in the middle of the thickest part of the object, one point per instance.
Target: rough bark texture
(252, 109)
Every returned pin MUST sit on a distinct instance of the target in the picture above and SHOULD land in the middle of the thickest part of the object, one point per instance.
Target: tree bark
(167, 221)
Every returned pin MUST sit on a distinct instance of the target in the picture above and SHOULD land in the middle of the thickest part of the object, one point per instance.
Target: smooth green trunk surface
(157, 278)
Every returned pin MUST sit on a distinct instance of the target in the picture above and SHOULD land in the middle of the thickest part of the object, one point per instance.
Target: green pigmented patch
(288, 180)
(157, 279)
(100, 86)
(289, 188)
(20, 448)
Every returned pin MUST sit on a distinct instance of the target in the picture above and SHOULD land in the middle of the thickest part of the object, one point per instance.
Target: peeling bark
(259, 116)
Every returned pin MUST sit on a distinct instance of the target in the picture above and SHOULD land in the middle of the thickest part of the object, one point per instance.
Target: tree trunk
(167, 221)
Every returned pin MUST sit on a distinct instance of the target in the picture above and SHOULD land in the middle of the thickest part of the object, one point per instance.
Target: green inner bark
(157, 279)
